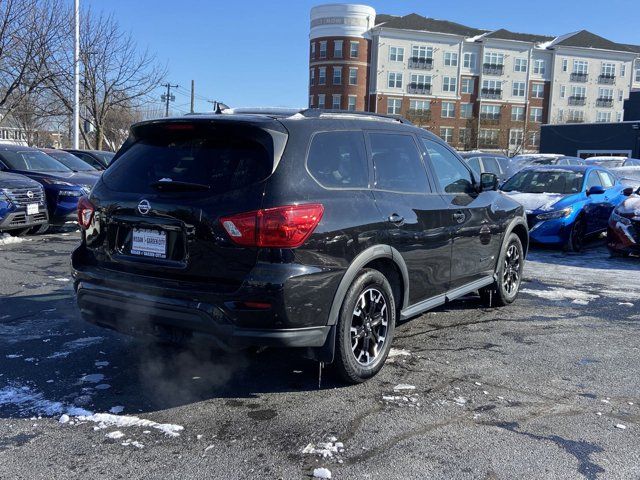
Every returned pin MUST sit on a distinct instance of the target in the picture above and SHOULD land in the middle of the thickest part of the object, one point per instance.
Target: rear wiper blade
(177, 185)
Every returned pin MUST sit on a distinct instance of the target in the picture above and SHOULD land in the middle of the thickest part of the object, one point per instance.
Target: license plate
(149, 243)
(32, 208)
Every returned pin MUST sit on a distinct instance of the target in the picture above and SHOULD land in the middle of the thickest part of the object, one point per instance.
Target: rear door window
(222, 157)
(474, 163)
(397, 163)
(339, 160)
(491, 165)
(451, 173)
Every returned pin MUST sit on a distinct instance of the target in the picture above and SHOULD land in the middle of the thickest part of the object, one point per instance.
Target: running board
(438, 300)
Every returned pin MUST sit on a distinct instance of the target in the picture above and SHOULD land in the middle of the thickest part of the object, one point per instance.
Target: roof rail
(320, 112)
(267, 111)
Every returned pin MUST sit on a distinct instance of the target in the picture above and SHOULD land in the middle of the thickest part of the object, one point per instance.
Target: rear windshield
(546, 181)
(225, 158)
(32, 160)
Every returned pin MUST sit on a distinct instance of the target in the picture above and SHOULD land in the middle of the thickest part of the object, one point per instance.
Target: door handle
(396, 219)
(459, 217)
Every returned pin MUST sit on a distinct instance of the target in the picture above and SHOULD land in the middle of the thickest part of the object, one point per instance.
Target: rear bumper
(623, 238)
(140, 305)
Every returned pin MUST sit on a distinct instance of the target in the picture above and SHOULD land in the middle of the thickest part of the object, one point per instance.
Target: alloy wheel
(369, 326)
(511, 271)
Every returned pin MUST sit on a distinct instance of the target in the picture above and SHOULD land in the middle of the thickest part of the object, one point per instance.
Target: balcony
(421, 63)
(604, 102)
(577, 100)
(419, 88)
(418, 115)
(606, 79)
(491, 93)
(579, 77)
(492, 69)
(490, 118)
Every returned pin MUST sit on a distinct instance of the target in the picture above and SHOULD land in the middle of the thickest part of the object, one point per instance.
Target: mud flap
(325, 353)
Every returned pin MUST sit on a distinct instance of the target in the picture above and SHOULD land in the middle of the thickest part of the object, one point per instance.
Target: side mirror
(595, 190)
(488, 182)
(627, 191)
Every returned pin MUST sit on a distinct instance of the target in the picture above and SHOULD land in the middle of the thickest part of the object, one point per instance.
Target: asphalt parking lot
(546, 388)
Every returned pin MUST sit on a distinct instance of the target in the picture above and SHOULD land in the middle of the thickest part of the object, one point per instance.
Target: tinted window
(451, 174)
(607, 181)
(546, 181)
(223, 157)
(491, 165)
(593, 180)
(89, 159)
(32, 160)
(71, 161)
(339, 160)
(474, 163)
(397, 163)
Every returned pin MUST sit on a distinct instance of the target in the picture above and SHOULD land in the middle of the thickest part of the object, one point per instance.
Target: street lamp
(76, 76)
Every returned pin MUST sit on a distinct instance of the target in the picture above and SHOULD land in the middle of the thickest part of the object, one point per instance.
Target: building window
(448, 110)
(449, 84)
(450, 59)
(337, 49)
(539, 66)
(520, 65)
(355, 50)
(321, 100)
(603, 117)
(578, 92)
(466, 110)
(581, 67)
(312, 76)
(420, 83)
(517, 114)
(335, 102)
(488, 137)
(337, 75)
(623, 69)
(394, 80)
(493, 58)
(620, 95)
(419, 52)
(396, 54)
(352, 103)
(605, 93)
(518, 89)
(394, 106)
(313, 50)
(490, 112)
(323, 49)
(353, 76)
(534, 139)
(619, 117)
(608, 69)
(494, 85)
(516, 137)
(563, 91)
(469, 60)
(420, 106)
(576, 116)
(565, 64)
(535, 114)
(464, 136)
(446, 134)
(468, 85)
(537, 90)
(322, 76)
(310, 101)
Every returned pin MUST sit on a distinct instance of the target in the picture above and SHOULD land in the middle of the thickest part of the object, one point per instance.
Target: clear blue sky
(254, 52)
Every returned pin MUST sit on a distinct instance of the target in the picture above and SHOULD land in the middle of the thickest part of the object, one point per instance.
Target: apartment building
(475, 88)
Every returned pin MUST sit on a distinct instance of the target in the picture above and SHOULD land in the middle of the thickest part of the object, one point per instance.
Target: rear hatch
(158, 205)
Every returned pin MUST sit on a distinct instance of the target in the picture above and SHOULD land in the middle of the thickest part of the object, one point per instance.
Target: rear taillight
(85, 212)
(280, 227)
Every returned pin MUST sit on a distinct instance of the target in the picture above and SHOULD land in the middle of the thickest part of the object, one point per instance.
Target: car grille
(25, 196)
(21, 219)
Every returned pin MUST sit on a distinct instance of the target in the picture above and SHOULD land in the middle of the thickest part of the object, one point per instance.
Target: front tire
(365, 327)
(509, 275)
(576, 237)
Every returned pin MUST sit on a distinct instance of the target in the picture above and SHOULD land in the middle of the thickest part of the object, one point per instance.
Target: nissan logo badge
(144, 207)
(30, 194)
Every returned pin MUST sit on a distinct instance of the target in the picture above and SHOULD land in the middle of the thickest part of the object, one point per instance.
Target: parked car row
(40, 188)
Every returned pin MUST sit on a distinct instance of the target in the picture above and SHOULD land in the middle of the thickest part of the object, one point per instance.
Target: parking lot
(546, 388)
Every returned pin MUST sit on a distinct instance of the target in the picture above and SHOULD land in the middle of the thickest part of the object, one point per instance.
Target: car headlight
(53, 181)
(619, 218)
(565, 212)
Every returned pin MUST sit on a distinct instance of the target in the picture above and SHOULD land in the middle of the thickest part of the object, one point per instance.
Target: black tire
(576, 237)
(40, 229)
(509, 274)
(356, 364)
(20, 232)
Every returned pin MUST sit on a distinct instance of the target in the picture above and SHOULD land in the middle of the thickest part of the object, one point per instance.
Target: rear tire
(509, 274)
(365, 327)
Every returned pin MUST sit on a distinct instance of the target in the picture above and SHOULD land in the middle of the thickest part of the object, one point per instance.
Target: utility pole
(193, 93)
(168, 97)
(76, 75)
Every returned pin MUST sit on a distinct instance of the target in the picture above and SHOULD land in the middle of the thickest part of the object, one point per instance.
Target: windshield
(535, 181)
(71, 161)
(32, 160)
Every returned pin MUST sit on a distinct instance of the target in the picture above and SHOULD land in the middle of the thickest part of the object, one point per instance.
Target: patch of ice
(115, 435)
(13, 355)
(103, 386)
(626, 304)
(621, 426)
(62, 279)
(93, 378)
(117, 409)
(558, 294)
(397, 352)
(83, 342)
(59, 355)
(29, 401)
(404, 386)
(321, 473)
(101, 364)
(110, 420)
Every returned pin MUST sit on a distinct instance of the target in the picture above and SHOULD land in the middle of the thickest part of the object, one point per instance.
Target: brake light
(280, 227)
(85, 212)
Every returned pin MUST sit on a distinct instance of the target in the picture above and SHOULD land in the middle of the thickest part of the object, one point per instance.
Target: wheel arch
(518, 226)
(383, 258)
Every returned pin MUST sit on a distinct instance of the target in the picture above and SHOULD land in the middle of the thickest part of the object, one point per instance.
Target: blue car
(62, 186)
(22, 204)
(565, 204)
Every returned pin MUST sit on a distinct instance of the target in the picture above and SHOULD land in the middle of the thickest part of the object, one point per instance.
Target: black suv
(317, 230)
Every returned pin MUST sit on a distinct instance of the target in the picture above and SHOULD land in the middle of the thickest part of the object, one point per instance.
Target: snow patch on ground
(324, 449)
(115, 435)
(6, 239)
(106, 420)
(83, 342)
(93, 378)
(321, 473)
(558, 294)
(398, 352)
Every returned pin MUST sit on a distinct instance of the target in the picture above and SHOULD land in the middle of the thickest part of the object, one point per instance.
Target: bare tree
(35, 114)
(115, 76)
